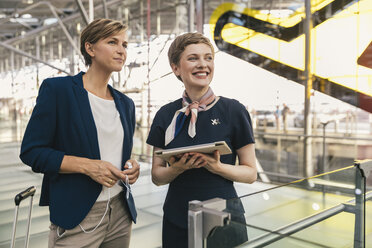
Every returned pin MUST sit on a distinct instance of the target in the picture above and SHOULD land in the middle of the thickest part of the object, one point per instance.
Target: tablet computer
(202, 148)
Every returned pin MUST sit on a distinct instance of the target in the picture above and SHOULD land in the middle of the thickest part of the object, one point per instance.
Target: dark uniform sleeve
(157, 132)
(242, 133)
(38, 139)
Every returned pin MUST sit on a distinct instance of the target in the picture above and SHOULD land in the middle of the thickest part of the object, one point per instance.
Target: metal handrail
(355, 206)
(299, 225)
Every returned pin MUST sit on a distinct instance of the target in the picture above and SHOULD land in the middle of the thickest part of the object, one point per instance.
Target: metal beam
(65, 31)
(64, 20)
(9, 47)
(62, 25)
(25, 10)
(77, 15)
(83, 12)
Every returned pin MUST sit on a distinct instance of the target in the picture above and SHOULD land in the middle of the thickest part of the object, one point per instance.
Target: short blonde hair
(97, 30)
(182, 41)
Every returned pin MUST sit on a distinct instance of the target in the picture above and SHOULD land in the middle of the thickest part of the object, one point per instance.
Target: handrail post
(359, 208)
(195, 225)
(203, 217)
(362, 171)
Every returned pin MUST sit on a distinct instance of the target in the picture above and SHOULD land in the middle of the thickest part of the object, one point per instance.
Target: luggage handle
(17, 199)
(24, 194)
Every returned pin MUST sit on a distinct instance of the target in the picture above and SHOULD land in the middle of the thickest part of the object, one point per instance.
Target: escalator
(341, 43)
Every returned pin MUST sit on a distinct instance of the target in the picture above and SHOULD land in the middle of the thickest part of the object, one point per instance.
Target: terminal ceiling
(32, 27)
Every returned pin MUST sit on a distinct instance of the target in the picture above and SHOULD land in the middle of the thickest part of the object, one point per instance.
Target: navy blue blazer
(62, 124)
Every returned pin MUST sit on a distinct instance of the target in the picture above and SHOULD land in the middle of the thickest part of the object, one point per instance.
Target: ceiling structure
(41, 31)
(49, 30)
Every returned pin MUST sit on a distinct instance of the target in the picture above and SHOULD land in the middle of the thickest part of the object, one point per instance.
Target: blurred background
(306, 81)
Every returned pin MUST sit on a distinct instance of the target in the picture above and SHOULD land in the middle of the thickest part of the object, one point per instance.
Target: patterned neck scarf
(188, 107)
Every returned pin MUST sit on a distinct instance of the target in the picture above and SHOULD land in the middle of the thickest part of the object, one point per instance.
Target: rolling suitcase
(18, 198)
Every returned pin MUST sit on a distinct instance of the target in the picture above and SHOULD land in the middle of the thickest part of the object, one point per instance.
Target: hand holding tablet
(220, 146)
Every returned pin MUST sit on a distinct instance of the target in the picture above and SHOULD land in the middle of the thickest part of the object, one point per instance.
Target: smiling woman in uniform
(196, 118)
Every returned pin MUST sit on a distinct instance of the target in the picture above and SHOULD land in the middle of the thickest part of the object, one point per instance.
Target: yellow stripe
(290, 21)
(333, 58)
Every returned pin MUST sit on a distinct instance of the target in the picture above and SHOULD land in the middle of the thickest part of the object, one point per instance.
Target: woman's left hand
(132, 171)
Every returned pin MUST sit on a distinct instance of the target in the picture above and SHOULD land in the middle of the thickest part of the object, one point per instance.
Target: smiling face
(110, 53)
(195, 67)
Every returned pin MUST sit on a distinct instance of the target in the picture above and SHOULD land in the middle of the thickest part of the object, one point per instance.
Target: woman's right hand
(104, 172)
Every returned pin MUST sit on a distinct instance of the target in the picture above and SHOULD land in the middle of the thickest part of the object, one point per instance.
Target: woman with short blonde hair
(199, 117)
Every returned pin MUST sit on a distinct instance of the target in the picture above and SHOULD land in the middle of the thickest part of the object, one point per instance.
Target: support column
(6, 65)
(12, 69)
(158, 19)
(2, 66)
(60, 50)
(91, 11)
(126, 15)
(43, 43)
(141, 22)
(199, 15)
(143, 105)
(16, 60)
(72, 59)
(178, 13)
(14, 107)
(191, 12)
(105, 11)
(37, 44)
(51, 47)
(148, 63)
(119, 14)
(308, 169)
(23, 59)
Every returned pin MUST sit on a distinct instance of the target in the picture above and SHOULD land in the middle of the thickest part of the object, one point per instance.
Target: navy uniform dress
(228, 120)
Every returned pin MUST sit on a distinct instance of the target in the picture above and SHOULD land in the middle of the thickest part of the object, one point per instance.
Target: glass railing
(281, 155)
(369, 220)
(327, 210)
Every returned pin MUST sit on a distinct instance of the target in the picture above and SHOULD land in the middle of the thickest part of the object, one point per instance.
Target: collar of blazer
(78, 80)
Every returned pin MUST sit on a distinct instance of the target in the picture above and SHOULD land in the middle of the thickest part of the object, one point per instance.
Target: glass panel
(274, 207)
(368, 218)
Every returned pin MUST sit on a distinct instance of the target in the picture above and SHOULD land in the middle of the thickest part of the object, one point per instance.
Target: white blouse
(110, 137)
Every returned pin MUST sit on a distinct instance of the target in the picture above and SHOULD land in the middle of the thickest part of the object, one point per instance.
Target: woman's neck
(96, 82)
(196, 94)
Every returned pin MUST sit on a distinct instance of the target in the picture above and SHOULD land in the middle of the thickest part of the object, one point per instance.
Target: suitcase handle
(24, 194)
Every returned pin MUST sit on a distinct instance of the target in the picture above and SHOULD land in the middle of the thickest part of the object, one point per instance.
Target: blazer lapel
(86, 114)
